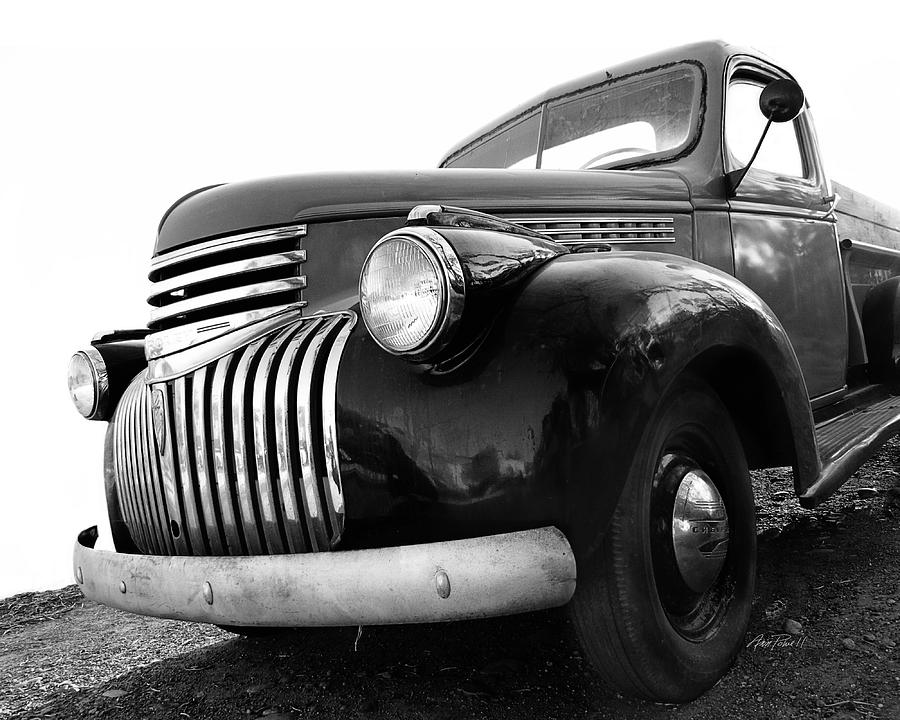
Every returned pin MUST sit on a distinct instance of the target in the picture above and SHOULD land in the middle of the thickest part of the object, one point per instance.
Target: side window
(744, 123)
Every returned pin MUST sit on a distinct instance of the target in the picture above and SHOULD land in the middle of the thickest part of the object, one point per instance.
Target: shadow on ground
(835, 571)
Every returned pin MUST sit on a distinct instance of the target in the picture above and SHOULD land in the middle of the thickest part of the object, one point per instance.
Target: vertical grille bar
(288, 469)
(246, 499)
(334, 493)
(232, 530)
(266, 479)
(123, 476)
(159, 397)
(117, 463)
(134, 476)
(145, 489)
(185, 471)
(148, 445)
(200, 429)
(318, 532)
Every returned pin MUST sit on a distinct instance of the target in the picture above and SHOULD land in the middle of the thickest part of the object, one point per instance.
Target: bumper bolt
(79, 576)
(122, 587)
(442, 584)
(207, 593)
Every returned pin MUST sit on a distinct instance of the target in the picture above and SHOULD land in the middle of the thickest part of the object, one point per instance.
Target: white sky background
(108, 115)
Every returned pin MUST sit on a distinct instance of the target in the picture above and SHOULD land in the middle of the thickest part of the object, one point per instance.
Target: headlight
(411, 292)
(89, 384)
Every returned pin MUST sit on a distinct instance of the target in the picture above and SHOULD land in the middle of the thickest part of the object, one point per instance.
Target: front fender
(542, 422)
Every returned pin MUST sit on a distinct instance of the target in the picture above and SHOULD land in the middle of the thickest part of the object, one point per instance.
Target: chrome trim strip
(189, 359)
(230, 527)
(334, 495)
(563, 219)
(176, 339)
(309, 480)
(241, 455)
(185, 471)
(239, 267)
(288, 474)
(169, 478)
(828, 398)
(610, 231)
(212, 246)
(618, 241)
(200, 429)
(226, 296)
(753, 208)
(266, 479)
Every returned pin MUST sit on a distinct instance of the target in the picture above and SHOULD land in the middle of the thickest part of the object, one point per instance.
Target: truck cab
(537, 375)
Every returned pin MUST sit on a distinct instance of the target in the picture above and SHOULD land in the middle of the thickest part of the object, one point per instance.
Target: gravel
(823, 643)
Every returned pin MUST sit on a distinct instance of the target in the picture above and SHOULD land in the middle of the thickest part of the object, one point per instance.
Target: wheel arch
(649, 318)
(755, 404)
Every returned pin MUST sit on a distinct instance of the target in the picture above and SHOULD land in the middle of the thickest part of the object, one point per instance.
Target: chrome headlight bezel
(97, 409)
(449, 271)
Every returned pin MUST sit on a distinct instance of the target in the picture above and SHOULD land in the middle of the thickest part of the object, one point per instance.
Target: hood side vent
(587, 229)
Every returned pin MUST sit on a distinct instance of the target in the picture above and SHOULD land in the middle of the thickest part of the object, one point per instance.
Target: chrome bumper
(478, 577)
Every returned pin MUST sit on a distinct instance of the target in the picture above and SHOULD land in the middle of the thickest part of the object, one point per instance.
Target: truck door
(785, 244)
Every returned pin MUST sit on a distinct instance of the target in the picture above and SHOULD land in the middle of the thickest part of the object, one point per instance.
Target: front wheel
(663, 605)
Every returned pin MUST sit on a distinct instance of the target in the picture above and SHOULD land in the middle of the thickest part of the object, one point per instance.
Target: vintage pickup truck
(422, 396)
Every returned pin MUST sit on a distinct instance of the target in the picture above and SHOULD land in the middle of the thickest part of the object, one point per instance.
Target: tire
(640, 611)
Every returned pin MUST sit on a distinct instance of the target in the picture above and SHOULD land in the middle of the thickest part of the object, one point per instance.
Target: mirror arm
(734, 178)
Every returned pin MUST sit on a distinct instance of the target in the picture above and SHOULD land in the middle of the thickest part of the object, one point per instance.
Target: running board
(847, 441)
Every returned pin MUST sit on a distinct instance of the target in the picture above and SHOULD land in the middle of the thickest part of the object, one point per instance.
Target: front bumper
(457, 580)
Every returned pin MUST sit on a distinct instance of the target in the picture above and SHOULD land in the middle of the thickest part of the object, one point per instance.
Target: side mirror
(781, 100)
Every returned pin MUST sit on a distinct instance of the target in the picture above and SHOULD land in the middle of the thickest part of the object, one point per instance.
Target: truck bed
(864, 219)
(851, 430)
(869, 235)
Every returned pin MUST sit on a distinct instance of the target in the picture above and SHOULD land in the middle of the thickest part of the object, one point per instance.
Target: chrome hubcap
(699, 530)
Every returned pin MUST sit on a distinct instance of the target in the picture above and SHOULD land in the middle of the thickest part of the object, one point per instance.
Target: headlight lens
(411, 292)
(88, 383)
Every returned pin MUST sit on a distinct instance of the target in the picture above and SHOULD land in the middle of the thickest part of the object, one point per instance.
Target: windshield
(648, 116)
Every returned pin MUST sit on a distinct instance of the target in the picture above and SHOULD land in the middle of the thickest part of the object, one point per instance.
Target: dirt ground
(835, 572)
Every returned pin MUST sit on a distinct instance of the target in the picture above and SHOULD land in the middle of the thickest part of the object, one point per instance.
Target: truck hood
(239, 207)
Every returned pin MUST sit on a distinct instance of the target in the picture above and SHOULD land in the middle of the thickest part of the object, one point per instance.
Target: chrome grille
(590, 229)
(240, 455)
(243, 273)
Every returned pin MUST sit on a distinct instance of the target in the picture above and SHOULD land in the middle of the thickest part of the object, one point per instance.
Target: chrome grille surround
(208, 289)
(237, 455)
(586, 229)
